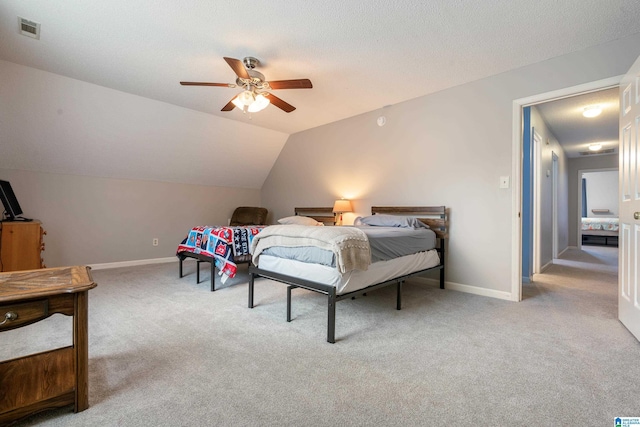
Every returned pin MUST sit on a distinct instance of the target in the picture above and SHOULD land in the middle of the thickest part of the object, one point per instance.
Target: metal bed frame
(436, 218)
(199, 258)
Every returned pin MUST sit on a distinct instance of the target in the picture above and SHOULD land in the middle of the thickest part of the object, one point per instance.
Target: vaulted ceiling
(123, 56)
(360, 55)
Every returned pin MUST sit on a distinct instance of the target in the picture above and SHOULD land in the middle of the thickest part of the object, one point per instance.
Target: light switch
(504, 182)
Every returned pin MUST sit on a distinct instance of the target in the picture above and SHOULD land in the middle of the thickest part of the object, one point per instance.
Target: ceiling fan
(255, 96)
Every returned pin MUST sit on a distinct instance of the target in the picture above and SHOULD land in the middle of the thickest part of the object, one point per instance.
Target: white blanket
(350, 245)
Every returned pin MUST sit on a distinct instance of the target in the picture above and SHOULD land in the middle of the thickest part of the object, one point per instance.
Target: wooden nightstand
(53, 378)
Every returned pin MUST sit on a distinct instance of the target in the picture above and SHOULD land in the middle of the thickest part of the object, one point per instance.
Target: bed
(346, 278)
(223, 247)
(323, 215)
(600, 231)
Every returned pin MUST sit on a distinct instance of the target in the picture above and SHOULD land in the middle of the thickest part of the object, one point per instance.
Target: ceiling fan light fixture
(247, 97)
(596, 146)
(592, 111)
(261, 102)
(254, 98)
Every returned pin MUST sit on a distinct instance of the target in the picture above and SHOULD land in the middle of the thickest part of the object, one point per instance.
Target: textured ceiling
(574, 131)
(360, 55)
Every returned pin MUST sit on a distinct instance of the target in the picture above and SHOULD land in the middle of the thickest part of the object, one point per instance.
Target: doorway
(564, 141)
(552, 174)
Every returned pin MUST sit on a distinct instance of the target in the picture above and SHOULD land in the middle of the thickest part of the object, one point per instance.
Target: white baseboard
(467, 289)
(547, 265)
(133, 263)
(565, 250)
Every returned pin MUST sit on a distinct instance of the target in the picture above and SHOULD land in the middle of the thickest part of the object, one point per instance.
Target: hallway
(585, 281)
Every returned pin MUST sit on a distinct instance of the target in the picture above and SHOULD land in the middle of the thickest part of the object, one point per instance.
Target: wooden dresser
(21, 245)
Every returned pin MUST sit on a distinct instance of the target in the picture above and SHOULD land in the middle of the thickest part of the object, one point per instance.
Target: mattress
(386, 243)
(394, 242)
(354, 280)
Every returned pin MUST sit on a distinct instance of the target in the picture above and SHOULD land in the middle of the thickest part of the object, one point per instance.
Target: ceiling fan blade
(207, 84)
(230, 105)
(287, 108)
(238, 67)
(291, 84)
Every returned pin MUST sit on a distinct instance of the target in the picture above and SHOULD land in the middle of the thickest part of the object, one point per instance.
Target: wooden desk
(53, 378)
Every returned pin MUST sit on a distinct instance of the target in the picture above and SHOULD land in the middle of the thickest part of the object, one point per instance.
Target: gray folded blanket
(350, 245)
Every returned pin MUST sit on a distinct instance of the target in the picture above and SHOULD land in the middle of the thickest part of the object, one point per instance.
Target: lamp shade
(342, 205)
(259, 104)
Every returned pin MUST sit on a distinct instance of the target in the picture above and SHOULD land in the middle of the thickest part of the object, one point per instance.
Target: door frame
(516, 167)
(579, 207)
(554, 204)
(536, 142)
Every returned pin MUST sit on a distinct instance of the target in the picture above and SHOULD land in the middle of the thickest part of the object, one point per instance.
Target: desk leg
(81, 348)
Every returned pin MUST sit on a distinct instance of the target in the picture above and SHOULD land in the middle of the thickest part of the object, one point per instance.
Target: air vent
(29, 28)
(591, 153)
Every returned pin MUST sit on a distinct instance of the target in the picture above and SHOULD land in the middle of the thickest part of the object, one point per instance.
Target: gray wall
(93, 220)
(609, 161)
(448, 148)
(56, 124)
(79, 157)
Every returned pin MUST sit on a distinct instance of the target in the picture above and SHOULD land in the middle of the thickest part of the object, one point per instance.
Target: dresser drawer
(20, 314)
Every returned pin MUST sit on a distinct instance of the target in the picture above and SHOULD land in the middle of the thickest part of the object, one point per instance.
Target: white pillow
(299, 220)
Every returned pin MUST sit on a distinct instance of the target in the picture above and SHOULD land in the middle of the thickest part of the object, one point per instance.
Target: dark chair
(248, 215)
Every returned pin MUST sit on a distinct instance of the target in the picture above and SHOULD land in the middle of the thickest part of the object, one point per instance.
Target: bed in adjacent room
(383, 249)
(600, 231)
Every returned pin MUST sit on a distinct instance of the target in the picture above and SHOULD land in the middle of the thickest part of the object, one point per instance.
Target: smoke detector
(29, 28)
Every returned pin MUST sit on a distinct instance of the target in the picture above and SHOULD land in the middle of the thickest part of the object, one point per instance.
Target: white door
(629, 266)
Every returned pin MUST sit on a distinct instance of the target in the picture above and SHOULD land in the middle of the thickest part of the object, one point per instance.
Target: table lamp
(339, 207)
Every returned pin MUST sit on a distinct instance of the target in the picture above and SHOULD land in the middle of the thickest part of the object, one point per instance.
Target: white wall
(92, 220)
(447, 148)
(608, 161)
(602, 192)
(549, 145)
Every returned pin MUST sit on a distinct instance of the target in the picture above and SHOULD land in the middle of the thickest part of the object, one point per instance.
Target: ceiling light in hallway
(592, 111)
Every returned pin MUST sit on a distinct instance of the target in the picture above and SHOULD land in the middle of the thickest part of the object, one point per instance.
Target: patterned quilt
(608, 224)
(224, 244)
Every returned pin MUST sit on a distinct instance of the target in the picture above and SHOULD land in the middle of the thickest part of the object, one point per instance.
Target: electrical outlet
(155, 242)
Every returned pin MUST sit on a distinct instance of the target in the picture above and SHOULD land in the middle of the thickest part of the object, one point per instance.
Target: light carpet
(167, 352)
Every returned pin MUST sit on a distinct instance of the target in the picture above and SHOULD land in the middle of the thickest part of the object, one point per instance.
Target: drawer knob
(9, 316)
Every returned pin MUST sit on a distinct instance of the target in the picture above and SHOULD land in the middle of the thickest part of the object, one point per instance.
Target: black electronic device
(11, 206)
